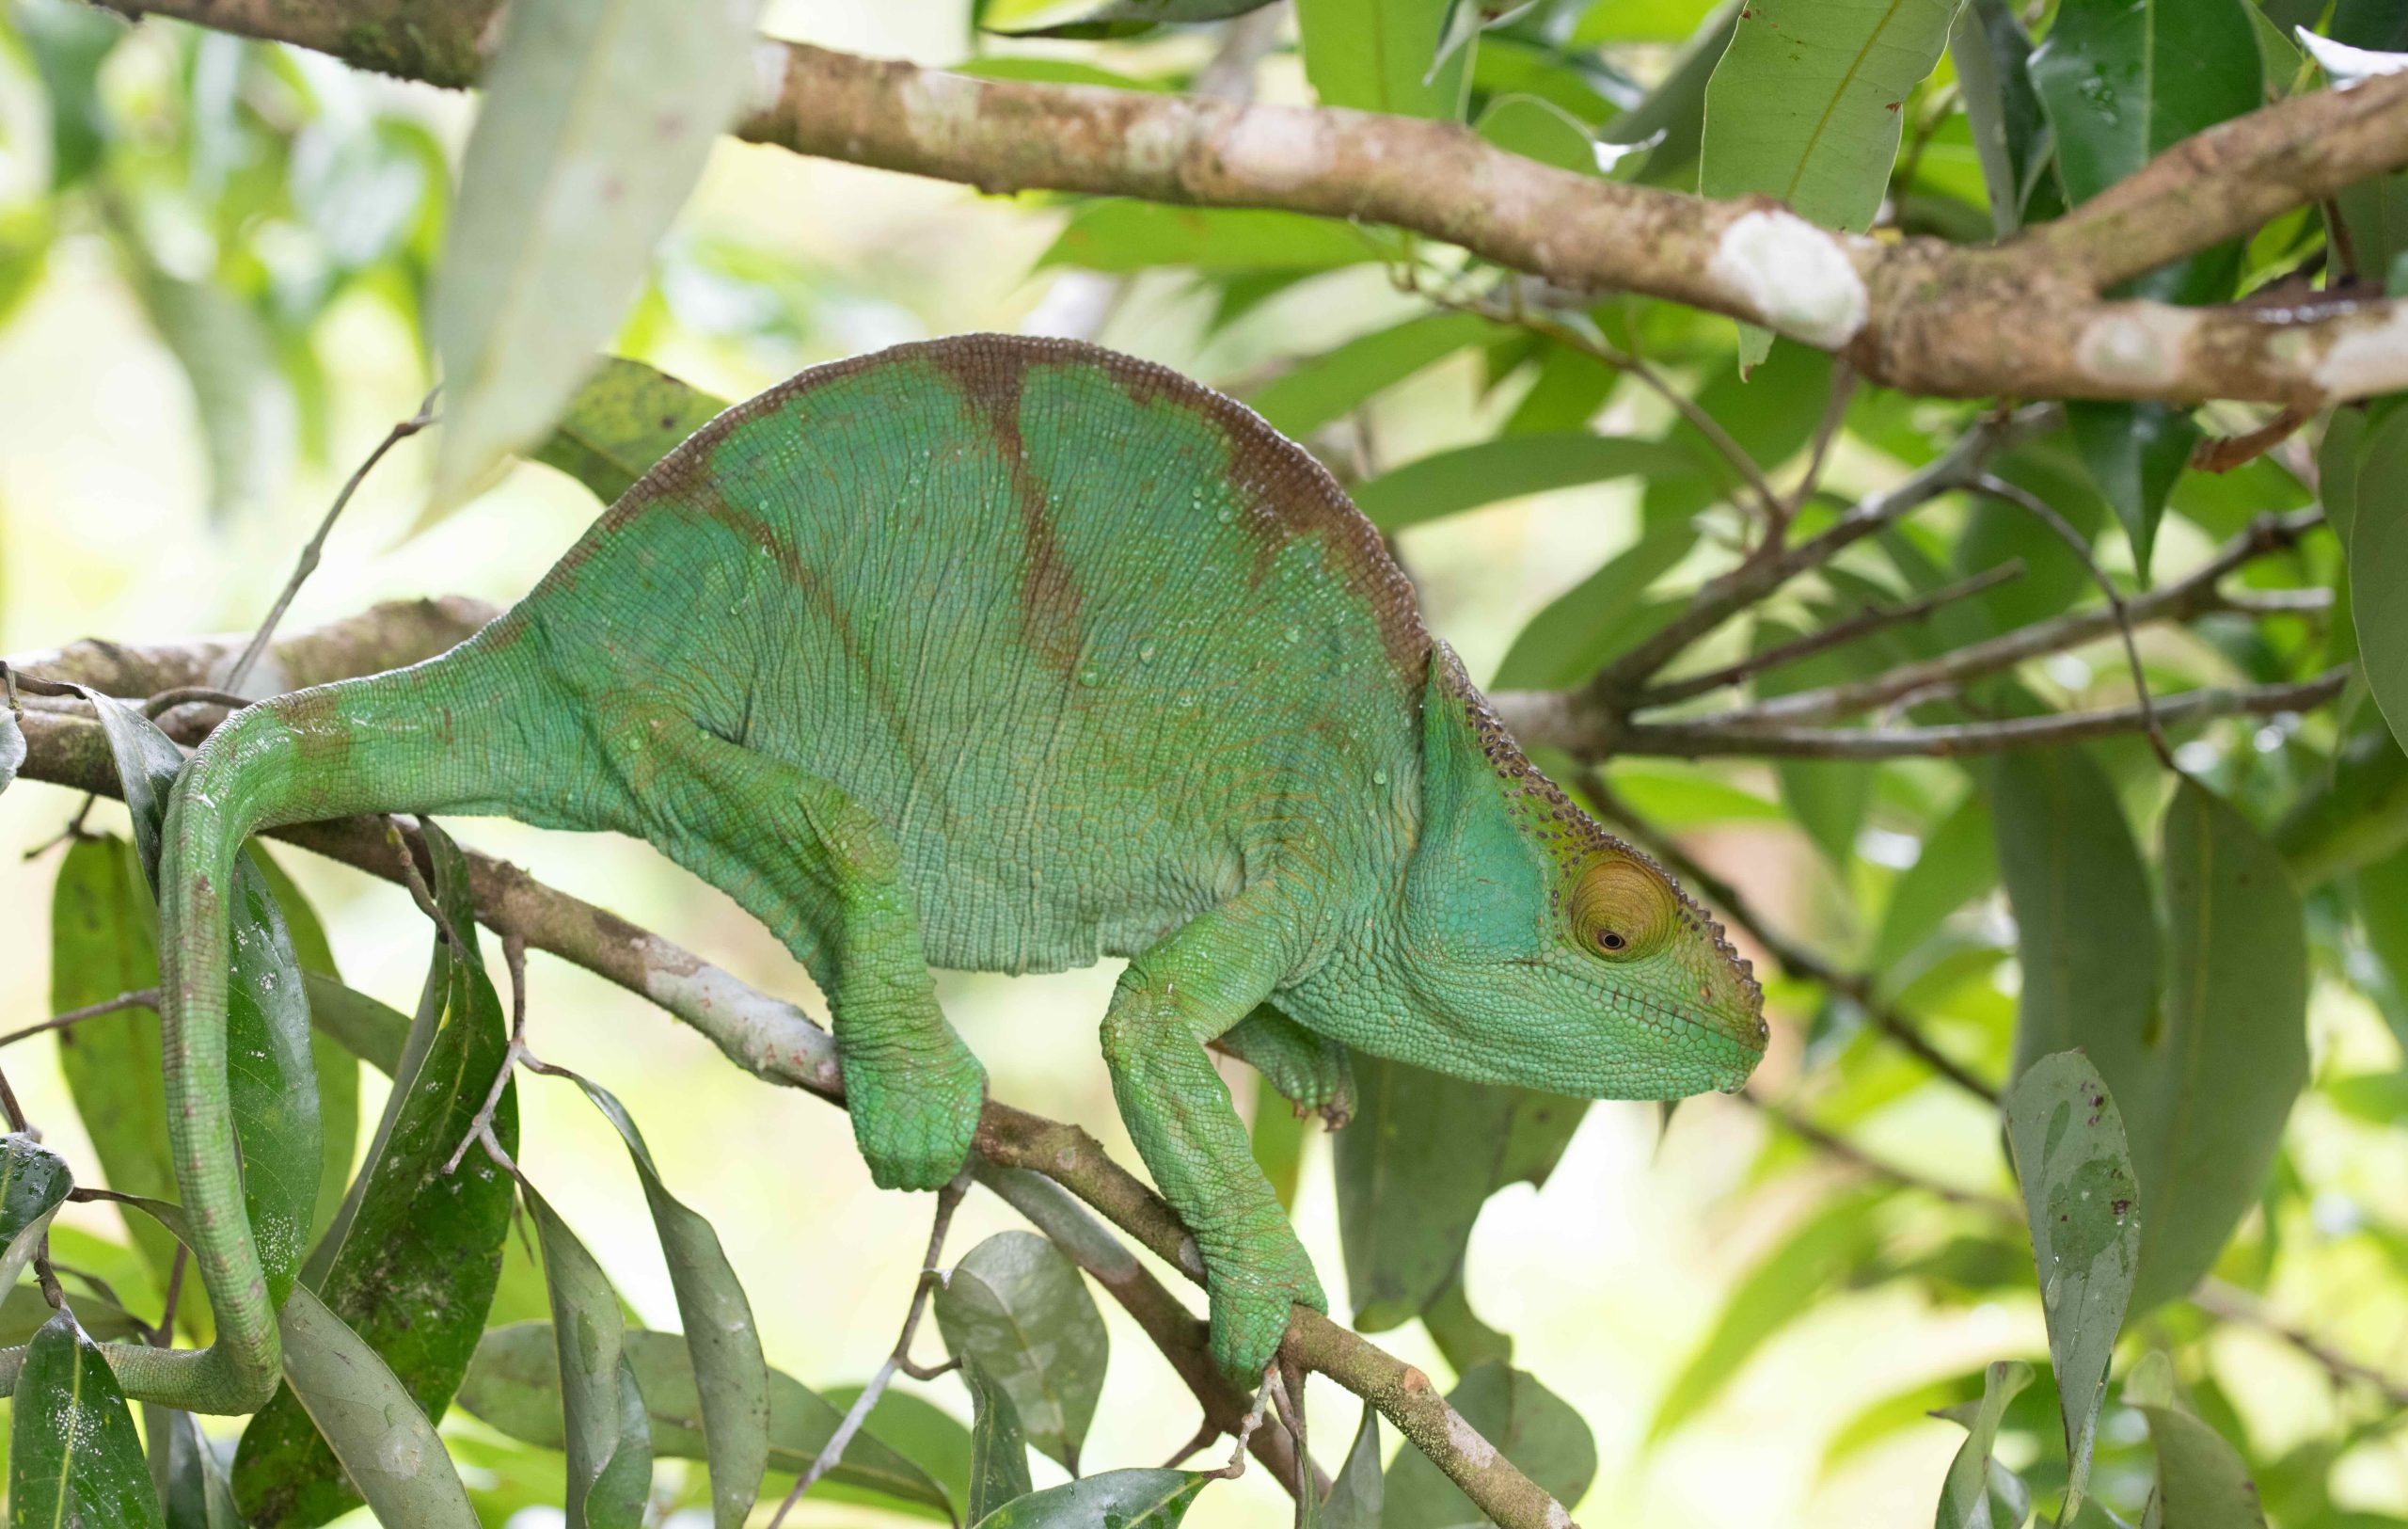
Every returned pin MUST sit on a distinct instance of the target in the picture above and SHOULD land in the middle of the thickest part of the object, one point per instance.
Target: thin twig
(1254, 1416)
(2234, 1304)
(15, 1111)
(1838, 1147)
(140, 998)
(1826, 433)
(165, 701)
(74, 830)
(948, 1198)
(307, 562)
(1864, 623)
(2032, 503)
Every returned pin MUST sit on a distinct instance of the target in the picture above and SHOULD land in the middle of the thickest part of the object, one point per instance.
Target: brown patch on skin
(322, 735)
(989, 374)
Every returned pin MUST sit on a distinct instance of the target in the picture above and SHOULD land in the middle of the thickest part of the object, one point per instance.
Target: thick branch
(1917, 314)
(777, 1041)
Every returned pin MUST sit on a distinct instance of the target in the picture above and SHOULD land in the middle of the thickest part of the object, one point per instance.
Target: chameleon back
(1096, 643)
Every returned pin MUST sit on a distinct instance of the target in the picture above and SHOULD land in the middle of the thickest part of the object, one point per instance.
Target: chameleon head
(1544, 951)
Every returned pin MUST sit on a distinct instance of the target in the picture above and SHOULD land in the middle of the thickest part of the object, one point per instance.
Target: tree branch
(2025, 319)
(777, 1041)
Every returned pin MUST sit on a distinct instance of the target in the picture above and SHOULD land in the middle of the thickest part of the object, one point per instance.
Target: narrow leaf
(998, 1449)
(186, 1473)
(610, 1449)
(1492, 472)
(627, 417)
(2081, 1201)
(1965, 1498)
(1115, 235)
(1376, 55)
(357, 1023)
(1328, 386)
(1414, 1167)
(74, 1457)
(34, 1182)
(2202, 1482)
(386, 1446)
(598, 116)
(1356, 1496)
(1016, 1305)
(336, 1068)
(1114, 1500)
(2377, 537)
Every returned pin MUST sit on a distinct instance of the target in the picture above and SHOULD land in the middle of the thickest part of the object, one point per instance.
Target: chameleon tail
(433, 737)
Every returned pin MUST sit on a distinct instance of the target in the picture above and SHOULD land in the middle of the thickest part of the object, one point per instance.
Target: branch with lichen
(1019, 1153)
(2029, 318)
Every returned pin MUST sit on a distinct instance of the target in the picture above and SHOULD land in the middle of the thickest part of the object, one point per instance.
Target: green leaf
(1491, 471)
(1113, 1500)
(1579, 630)
(2380, 895)
(1332, 384)
(385, 1445)
(1120, 236)
(1539, 129)
(719, 1332)
(73, 1459)
(1528, 1423)
(26, 1309)
(2134, 452)
(1958, 863)
(514, 1385)
(336, 1068)
(244, 409)
(1965, 1498)
(413, 1262)
(1357, 1494)
(2377, 537)
(1991, 53)
(625, 418)
(1103, 18)
(608, 1437)
(1376, 55)
(1414, 1167)
(1276, 1137)
(1019, 1308)
(34, 1182)
(1827, 798)
(1777, 1290)
(2081, 1201)
(998, 1449)
(2231, 1053)
(2086, 932)
(186, 1473)
(597, 117)
(68, 45)
(2202, 1483)
(357, 1023)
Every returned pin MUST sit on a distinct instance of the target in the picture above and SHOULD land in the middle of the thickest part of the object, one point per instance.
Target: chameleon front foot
(1251, 1306)
(913, 1114)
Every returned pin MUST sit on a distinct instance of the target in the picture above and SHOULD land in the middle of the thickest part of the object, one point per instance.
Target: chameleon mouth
(1752, 1040)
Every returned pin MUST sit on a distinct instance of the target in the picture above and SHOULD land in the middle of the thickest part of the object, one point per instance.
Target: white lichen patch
(2138, 345)
(1276, 147)
(939, 109)
(1479, 1452)
(1797, 279)
(2365, 358)
(1556, 1518)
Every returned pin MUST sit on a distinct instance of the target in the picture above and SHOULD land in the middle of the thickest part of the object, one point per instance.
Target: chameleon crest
(1009, 655)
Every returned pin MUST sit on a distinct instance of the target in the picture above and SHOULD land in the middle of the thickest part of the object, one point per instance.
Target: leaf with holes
(2082, 1202)
(1019, 1308)
(597, 117)
(73, 1456)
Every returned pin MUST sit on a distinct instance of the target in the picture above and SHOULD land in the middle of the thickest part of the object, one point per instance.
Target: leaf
(2085, 934)
(1376, 55)
(1965, 1498)
(26, 1309)
(1579, 630)
(1539, 129)
(931, 1442)
(1330, 385)
(357, 1023)
(1413, 1168)
(2134, 452)
(1103, 18)
(1277, 1138)
(625, 418)
(34, 1182)
(1991, 52)
(1778, 1289)
(69, 45)
(2202, 1483)
(248, 419)
(185, 1474)
(1113, 1500)
(514, 1385)
(12, 748)
(1827, 798)
(412, 1262)
(2081, 1201)
(608, 1439)
(1528, 1423)
(720, 1333)
(1958, 862)
(2232, 1051)
(336, 1069)
(73, 1459)
(998, 1449)
(1019, 1308)
(1357, 1494)
(2377, 537)
(598, 115)
(1492, 472)
(1120, 236)
(386, 1446)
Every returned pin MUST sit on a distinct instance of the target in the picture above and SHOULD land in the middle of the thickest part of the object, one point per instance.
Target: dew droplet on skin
(1090, 678)
(1379, 778)
(1145, 652)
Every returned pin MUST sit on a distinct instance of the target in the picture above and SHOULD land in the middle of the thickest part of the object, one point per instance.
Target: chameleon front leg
(1309, 1071)
(825, 875)
(1173, 998)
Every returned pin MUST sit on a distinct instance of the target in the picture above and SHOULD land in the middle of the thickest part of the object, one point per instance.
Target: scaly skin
(1005, 655)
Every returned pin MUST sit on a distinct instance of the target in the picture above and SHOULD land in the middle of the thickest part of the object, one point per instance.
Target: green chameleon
(1005, 655)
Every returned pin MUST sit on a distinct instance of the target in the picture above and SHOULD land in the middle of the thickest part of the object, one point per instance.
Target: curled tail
(447, 734)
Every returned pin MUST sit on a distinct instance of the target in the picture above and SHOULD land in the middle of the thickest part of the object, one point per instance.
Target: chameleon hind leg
(1309, 1071)
(824, 874)
(1198, 985)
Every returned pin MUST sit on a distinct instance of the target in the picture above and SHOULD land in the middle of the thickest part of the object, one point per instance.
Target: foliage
(2092, 972)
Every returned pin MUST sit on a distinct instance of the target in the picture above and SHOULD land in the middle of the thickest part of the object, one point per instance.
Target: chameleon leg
(823, 873)
(1309, 1071)
(1173, 998)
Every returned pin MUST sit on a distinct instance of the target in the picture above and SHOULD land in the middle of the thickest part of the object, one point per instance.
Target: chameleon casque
(1009, 655)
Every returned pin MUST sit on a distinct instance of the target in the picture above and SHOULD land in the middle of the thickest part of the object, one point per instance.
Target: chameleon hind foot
(913, 1111)
(1252, 1300)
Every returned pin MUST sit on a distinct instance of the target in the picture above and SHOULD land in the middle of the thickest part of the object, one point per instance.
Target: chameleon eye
(1622, 910)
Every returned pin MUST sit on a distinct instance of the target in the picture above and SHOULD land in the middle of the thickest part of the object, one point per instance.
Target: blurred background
(212, 256)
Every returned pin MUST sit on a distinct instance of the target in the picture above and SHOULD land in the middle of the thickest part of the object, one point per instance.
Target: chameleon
(1009, 655)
